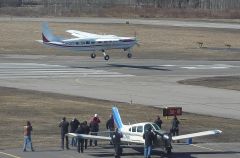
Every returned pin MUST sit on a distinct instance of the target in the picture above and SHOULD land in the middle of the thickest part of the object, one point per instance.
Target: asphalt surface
(153, 22)
(210, 150)
(144, 81)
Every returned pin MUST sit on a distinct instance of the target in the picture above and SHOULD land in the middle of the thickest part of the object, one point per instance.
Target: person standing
(64, 130)
(86, 131)
(149, 138)
(27, 136)
(94, 128)
(80, 141)
(175, 127)
(116, 139)
(158, 121)
(110, 126)
(73, 127)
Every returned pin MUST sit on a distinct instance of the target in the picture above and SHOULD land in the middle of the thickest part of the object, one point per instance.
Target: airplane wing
(81, 34)
(88, 136)
(105, 138)
(106, 39)
(199, 134)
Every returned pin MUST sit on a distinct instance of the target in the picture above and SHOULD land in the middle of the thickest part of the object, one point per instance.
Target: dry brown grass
(156, 42)
(224, 82)
(45, 110)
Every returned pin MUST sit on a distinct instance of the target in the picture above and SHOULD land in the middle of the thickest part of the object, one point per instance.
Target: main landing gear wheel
(93, 55)
(106, 57)
(129, 55)
(169, 150)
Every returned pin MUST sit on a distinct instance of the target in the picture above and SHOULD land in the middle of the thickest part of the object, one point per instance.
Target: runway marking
(202, 147)
(10, 155)
(35, 70)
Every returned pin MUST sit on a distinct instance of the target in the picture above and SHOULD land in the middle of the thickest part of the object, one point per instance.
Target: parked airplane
(84, 41)
(133, 134)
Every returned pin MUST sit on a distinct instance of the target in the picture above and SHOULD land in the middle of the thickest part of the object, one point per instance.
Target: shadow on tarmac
(139, 67)
(158, 68)
(138, 151)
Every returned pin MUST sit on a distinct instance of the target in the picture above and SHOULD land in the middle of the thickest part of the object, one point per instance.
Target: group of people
(149, 135)
(93, 129)
(175, 125)
(79, 128)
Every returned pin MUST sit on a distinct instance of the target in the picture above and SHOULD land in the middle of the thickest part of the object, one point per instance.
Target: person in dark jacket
(64, 130)
(80, 130)
(94, 128)
(110, 126)
(175, 127)
(158, 121)
(73, 127)
(149, 138)
(116, 139)
(86, 131)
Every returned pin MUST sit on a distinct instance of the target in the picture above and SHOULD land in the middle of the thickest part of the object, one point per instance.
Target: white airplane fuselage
(93, 45)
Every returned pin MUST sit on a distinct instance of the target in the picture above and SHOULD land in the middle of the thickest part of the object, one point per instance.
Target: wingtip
(218, 131)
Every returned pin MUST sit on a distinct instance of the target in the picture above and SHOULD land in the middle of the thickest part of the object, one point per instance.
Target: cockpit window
(140, 129)
(134, 129)
(156, 126)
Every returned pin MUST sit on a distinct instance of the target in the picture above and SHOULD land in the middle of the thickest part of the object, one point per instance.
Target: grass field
(45, 110)
(224, 82)
(156, 42)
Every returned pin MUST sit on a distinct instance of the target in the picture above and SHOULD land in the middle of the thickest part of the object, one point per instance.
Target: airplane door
(136, 133)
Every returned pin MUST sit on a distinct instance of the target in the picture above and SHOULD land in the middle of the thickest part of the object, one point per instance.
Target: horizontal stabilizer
(199, 134)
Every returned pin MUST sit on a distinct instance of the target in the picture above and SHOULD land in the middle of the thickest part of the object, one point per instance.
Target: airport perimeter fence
(76, 7)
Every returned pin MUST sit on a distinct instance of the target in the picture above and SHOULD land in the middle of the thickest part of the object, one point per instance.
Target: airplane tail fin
(117, 118)
(47, 35)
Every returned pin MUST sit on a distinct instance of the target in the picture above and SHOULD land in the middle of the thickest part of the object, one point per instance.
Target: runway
(209, 150)
(152, 22)
(143, 81)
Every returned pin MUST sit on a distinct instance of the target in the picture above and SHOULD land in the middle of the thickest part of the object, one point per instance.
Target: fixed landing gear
(93, 55)
(106, 57)
(129, 55)
(169, 150)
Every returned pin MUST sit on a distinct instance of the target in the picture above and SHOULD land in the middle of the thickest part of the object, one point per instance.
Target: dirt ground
(155, 41)
(45, 111)
(224, 82)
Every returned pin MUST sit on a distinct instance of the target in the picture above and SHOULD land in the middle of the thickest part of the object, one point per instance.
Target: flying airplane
(133, 134)
(84, 41)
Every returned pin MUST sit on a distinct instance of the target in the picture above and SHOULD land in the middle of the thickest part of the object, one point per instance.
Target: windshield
(156, 126)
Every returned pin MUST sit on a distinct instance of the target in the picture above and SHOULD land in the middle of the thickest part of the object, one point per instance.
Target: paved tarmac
(152, 22)
(143, 81)
(209, 150)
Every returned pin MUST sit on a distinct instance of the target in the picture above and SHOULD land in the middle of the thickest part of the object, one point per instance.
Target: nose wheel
(129, 55)
(106, 57)
(93, 55)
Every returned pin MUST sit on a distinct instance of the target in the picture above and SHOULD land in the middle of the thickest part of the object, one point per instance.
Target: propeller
(135, 35)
